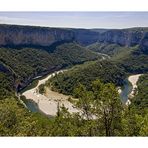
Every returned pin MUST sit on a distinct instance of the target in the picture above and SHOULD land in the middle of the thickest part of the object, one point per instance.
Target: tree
(144, 128)
(41, 89)
(101, 104)
(108, 108)
(85, 102)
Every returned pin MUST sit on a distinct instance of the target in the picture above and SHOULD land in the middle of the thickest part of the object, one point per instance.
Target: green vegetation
(93, 83)
(15, 120)
(135, 118)
(102, 115)
(102, 101)
(135, 63)
(41, 89)
(6, 85)
(111, 118)
(105, 48)
(132, 59)
(141, 99)
(33, 84)
(85, 74)
(26, 63)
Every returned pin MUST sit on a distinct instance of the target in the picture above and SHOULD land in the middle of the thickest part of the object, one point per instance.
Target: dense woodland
(123, 62)
(132, 59)
(141, 99)
(85, 74)
(6, 85)
(93, 82)
(26, 63)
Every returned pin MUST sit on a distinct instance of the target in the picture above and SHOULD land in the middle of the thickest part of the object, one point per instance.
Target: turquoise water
(127, 88)
(31, 105)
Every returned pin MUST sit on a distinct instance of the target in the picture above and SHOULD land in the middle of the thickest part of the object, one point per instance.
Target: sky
(116, 20)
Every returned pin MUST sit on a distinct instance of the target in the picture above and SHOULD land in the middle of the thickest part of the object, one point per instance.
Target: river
(128, 90)
(48, 103)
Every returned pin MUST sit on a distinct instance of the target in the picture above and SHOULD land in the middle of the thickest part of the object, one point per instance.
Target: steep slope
(144, 44)
(15, 35)
(132, 59)
(30, 51)
(6, 85)
(127, 47)
(105, 48)
(85, 36)
(124, 37)
(27, 63)
(121, 37)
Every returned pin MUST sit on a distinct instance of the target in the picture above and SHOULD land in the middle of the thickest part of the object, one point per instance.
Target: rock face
(124, 37)
(85, 36)
(144, 44)
(13, 35)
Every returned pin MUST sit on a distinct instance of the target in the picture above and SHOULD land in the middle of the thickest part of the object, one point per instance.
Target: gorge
(80, 68)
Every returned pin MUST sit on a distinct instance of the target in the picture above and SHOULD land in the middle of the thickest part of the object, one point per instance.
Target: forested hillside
(103, 70)
(6, 85)
(133, 60)
(27, 63)
(141, 99)
(106, 48)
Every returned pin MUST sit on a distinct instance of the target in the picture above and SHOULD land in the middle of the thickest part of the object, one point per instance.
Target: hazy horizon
(87, 20)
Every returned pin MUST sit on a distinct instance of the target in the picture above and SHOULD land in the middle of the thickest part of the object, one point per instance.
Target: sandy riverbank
(48, 104)
(133, 79)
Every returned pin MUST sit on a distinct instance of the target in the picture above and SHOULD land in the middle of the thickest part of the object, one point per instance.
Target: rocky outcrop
(144, 44)
(13, 35)
(124, 37)
(85, 36)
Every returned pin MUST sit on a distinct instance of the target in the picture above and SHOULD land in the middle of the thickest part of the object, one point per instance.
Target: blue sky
(77, 19)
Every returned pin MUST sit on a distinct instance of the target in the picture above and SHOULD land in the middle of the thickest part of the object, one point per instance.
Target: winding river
(48, 103)
(128, 90)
